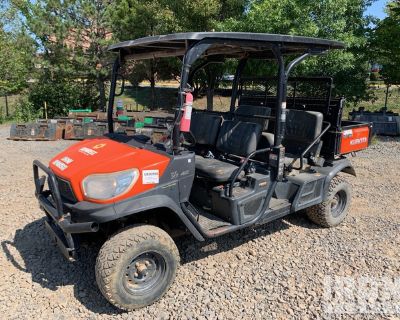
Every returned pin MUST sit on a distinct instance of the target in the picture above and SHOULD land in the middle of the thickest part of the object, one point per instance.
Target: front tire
(136, 266)
(334, 210)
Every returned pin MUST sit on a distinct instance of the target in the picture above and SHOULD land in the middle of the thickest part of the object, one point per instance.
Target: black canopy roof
(234, 44)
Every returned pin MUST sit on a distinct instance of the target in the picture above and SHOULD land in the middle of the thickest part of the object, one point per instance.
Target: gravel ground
(277, 271)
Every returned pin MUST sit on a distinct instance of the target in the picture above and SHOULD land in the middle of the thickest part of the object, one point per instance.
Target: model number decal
(87, 151)
(67, 160)
(60, 165)
(150, 176)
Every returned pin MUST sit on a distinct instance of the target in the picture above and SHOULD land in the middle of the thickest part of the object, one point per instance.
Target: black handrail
(308, 148)
(242, 167)
(53, 185)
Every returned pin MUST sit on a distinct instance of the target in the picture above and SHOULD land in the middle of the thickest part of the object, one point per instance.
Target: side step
(277, 208)
(208, 221)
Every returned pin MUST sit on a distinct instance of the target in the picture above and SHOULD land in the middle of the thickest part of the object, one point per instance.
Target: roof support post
(114, 76)
(189, 58)
(280, 112)
(283, 77)
(235, 85)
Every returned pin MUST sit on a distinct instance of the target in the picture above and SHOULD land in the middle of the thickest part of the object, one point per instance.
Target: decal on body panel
(87, 151)
(60, 165)
(150, 176)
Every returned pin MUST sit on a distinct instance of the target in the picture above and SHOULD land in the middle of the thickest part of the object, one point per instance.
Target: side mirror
(122, 87)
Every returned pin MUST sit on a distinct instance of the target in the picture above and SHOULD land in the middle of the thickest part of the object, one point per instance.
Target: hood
(104, 155)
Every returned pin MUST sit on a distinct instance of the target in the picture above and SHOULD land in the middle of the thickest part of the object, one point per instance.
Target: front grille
(65, 190)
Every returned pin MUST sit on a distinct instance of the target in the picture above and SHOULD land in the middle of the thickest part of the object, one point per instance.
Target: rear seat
(248, 113)
(302, 127)
(205, 127)
(235, 137)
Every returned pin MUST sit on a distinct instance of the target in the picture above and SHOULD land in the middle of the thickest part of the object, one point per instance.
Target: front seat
(235, 138)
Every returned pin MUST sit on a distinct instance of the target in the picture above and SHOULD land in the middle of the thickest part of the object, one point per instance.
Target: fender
(336, 166)
(93, 212)
(158, 201)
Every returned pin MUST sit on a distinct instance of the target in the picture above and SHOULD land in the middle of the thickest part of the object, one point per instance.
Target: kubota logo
(358, 141)
(99, 146)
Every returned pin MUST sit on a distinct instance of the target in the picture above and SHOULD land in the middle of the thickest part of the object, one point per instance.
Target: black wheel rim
(338, 203)
(144, 273)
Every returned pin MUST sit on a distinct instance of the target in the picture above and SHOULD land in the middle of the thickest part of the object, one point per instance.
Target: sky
(377, 9)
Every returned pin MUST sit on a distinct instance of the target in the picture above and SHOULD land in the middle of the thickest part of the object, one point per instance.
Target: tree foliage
(73, 36)
(385, 44)
(331, 19)
(15, 61)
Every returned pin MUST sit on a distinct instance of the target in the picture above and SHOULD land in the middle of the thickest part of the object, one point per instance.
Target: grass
(12, 103)
(379, 90)
(138, 99)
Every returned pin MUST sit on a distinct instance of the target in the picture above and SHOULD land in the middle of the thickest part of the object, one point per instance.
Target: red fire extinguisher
(187, 113)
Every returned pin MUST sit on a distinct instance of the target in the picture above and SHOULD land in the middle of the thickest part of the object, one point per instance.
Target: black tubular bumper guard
(58, 222)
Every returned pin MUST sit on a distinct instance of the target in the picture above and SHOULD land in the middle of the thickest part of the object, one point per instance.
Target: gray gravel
(275, 271)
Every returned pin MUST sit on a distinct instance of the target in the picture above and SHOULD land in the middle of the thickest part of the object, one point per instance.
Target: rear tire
(333, 211)
(136, 266)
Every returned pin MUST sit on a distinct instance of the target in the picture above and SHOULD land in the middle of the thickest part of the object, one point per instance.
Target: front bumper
(58, 222)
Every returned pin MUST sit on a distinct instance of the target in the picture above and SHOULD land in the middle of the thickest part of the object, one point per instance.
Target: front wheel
(332, 212)
(136, 266)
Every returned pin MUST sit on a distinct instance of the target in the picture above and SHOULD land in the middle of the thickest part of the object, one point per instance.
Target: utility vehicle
(216, 172)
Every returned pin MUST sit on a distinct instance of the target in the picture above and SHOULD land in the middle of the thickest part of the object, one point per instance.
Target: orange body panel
(103, 155)
(354, 139)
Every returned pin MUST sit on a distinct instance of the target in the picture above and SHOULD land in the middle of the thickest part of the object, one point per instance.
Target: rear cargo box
(354, 138)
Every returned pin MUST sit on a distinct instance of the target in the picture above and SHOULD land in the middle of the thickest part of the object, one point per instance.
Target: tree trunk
(102, 94)
(210, 97)
(210, 89)
(152, 86)
(7, 111)
(387, 96)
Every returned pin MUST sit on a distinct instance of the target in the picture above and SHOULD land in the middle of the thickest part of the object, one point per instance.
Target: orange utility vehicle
(273, 153)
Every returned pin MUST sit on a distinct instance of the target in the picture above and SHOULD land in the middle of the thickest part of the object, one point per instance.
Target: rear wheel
(334, 210)
(136, 267)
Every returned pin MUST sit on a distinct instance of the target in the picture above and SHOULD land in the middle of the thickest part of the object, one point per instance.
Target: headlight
(109, 185)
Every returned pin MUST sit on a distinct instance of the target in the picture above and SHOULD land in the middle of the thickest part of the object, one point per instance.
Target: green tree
(15, 62)
(332, 19)
(73, 36)
(385, 46)
(139, 18)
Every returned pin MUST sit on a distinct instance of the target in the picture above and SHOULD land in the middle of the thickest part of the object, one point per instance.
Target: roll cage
(215, 46)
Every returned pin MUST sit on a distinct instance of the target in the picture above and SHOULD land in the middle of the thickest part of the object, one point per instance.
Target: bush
(61, 95)
(374, 76)
(25, 111)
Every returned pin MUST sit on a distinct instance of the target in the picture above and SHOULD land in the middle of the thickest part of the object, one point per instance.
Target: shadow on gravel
(192, 250)
(51, 270)
(32, 252)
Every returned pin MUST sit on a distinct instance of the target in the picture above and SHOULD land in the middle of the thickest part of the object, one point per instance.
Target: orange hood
(105, 156)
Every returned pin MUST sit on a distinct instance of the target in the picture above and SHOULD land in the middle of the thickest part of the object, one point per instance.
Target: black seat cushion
(204, 127)
(235, 138)
(249, 113)
(302, 127)
(238, 138)
(216, 170)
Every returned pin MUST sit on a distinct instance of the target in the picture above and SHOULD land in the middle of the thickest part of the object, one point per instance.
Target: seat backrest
(238, 137)
(204, 127)
(302, 127)
(248, 112)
